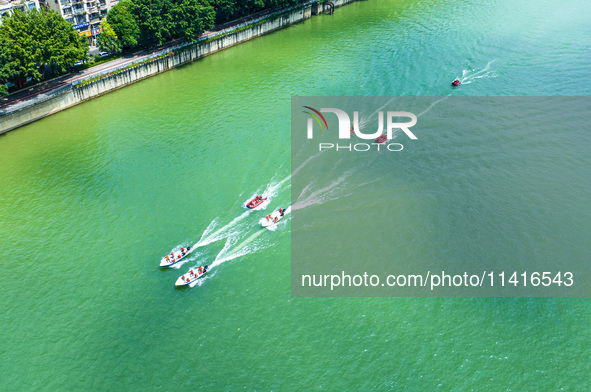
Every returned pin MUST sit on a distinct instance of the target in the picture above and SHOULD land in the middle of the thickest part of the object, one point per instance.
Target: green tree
(159, 21)
(19, 55)
(7, 64)
(155, 20)
(37, 39)
(163, 20)
(108, 40)
(233, 9)
(124, 23)
(58, 44)
(225, 10)
(191, 18)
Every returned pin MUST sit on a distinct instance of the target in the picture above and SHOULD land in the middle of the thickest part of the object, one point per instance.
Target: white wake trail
(321, 195)
(220, 233)
(249, 245)
(469, 75)
(432, 106)
(305, 163)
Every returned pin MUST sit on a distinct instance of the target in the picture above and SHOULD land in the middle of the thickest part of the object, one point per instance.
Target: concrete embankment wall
(186, 55)
(73, 95)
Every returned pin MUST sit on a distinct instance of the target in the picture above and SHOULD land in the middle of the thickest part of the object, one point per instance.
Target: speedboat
(456, 83)
(273, 217)
(191, 276)
(175, 257)
(254, 203)
(352, 130)
(381, 139)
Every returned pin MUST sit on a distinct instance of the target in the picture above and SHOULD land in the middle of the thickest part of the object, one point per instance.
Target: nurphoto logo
(346, 129)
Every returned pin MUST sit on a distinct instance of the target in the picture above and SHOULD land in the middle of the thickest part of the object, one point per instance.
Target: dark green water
(92, 197)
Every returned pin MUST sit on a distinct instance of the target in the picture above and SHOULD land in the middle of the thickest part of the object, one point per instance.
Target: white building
(23, 5)
(84, 15)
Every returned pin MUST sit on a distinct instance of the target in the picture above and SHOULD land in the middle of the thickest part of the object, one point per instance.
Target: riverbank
(76, 91)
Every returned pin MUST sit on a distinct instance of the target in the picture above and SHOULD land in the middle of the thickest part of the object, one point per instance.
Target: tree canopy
(32, 41)
(159, 21)
(108, 40)
(35, 39)
(227, 10)
(191, 18)
(163, 20)
(7, 63)
(124, 24)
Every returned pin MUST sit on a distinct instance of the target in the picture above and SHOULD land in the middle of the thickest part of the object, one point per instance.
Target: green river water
(91, 198)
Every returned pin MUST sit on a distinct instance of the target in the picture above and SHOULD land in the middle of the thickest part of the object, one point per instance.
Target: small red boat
(456, 83)
(381, 139)
(352, 130)
(254, 203)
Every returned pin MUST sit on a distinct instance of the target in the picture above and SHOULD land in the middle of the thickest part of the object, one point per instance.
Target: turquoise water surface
(94, 196)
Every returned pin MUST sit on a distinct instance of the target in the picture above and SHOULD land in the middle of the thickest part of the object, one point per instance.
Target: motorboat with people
(192, 275)
(352, 130)
(175, 257)
(381, 139)
(254, 203)
(456, 82)
(273, 217)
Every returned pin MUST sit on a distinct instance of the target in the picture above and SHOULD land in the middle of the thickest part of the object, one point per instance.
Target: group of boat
(196, 273)
(175, 257)
(271, 219)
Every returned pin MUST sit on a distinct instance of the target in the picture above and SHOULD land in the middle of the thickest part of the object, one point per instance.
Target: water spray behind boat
(222, 232)
(248, 246)
(470, 75)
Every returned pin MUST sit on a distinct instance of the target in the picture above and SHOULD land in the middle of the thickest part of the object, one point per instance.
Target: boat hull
(271, 222)
(187, 279)
(255, 203)
(168, 263)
